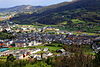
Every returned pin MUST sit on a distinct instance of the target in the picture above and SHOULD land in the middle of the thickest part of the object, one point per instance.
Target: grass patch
(3, 58)
(51, 48)
(76, 21)
(79, 33)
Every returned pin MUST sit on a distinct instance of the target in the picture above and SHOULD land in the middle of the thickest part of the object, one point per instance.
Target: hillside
(81, 14)
(21, 8)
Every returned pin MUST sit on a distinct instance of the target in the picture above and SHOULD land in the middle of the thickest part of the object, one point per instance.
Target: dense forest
(81, 15)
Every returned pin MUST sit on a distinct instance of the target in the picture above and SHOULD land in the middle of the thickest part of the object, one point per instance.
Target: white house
(34, 43)
(36, 50)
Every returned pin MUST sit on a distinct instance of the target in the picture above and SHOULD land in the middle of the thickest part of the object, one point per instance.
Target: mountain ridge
(21, 8)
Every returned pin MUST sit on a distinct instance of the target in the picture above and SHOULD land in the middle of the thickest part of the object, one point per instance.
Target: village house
(96, 45)
(20, 43)
(50, 29)
(1, 29)
(34, 43)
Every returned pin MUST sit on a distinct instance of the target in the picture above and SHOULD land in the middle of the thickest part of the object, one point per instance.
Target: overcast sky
(11, 3)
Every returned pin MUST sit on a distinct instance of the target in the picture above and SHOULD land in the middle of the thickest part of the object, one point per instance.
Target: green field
(76, 21)
(79, 33)
(51, 48)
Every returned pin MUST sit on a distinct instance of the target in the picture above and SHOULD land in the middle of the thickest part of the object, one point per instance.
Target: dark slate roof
(20, 42)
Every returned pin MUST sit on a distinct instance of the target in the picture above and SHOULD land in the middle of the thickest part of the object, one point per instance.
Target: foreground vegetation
(75, 59)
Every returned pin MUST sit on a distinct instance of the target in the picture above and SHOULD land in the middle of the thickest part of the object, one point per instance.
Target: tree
(39, 64)
(97, 59)
(10, 58)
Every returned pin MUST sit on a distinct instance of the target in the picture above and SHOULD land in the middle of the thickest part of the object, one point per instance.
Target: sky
(11, 3)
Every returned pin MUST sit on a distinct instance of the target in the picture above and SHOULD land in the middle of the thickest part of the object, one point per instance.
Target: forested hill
(84, 10)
